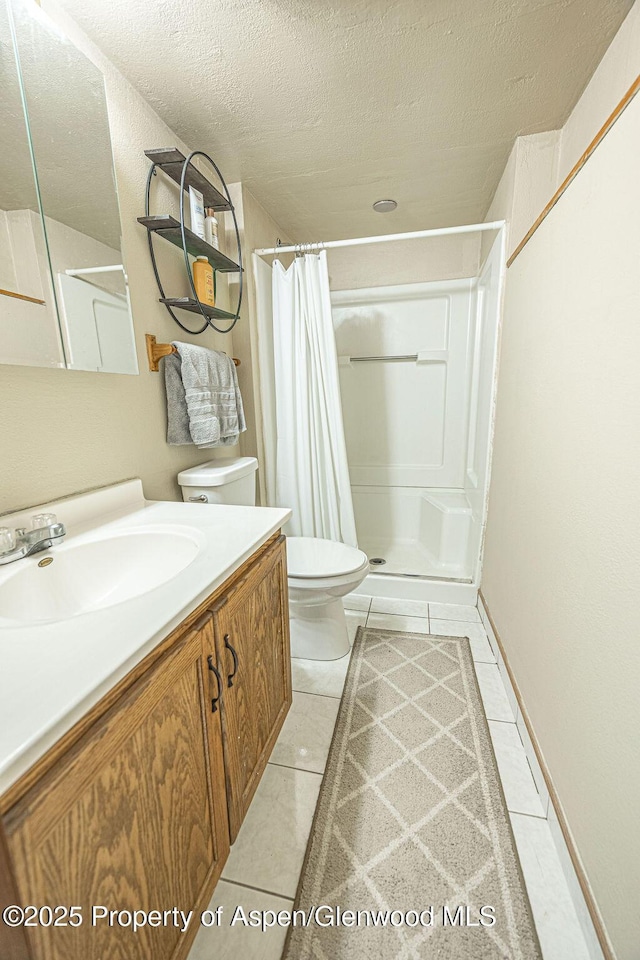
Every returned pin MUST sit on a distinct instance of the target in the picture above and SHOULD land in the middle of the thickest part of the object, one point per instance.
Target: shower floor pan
(431, 535)
(407, 558)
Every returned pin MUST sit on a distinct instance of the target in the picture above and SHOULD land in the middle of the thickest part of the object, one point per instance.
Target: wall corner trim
(597, 140)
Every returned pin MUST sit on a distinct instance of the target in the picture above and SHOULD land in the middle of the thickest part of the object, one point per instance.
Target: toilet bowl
(320, 573)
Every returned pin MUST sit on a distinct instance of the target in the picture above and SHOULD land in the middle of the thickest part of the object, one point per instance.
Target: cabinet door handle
(214, 669)
(235, 660)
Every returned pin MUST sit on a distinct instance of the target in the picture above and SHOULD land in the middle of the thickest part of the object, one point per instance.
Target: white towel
(209, 402)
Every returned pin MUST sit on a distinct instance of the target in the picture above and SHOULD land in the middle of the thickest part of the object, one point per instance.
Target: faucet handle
(7, 539)
(39, 520)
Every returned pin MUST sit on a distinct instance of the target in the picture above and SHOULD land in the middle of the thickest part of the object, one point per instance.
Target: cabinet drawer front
(252, 642)
(129, 818)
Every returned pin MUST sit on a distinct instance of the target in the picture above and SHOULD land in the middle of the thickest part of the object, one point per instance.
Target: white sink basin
(94, 574)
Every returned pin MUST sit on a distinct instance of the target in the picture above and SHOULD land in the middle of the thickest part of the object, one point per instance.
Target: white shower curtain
(312, 475)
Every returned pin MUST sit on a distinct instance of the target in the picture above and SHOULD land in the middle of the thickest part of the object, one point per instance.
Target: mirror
(82, 268)
(29, 329)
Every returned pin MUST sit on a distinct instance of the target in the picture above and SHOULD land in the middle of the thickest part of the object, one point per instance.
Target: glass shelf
(187, 303)
(168, 228)
(171, 162)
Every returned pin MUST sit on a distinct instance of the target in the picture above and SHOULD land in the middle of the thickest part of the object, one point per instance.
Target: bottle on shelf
(211, 228)
(203, 280)
(196, 209)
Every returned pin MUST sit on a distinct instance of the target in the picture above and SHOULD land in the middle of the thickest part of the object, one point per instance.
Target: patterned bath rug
(411, 855)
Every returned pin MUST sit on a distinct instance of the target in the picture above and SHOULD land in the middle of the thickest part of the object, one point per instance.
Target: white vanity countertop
(52, 673)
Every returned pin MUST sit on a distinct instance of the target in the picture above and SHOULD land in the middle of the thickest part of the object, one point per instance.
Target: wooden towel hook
(156, 351)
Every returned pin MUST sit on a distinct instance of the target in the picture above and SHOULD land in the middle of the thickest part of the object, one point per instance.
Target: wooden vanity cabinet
(134, 816)
(253, 660)
(131, 809)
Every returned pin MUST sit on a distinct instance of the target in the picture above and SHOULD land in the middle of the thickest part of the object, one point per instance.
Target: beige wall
(258, 229)
(65, 431)
(29, 332)
(616, 72)
(539, 163)
(404, 261)
(562, 557)
(529, 181)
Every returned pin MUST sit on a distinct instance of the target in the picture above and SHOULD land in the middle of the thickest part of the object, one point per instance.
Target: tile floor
(265, 862)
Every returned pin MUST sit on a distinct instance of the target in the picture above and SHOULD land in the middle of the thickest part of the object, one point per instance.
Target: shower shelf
(168, 228)
(187, 303)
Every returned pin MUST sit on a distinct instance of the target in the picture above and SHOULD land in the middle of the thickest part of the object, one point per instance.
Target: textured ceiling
(323, 106)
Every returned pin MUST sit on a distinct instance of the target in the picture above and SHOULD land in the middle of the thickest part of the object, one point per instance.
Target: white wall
(562, 561)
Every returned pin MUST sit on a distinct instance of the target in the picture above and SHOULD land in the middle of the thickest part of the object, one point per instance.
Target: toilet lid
(313, 557)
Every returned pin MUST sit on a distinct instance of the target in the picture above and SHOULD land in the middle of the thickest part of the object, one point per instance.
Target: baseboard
(598, 943)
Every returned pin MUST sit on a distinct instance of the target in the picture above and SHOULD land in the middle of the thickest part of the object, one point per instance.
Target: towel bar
(156, 351)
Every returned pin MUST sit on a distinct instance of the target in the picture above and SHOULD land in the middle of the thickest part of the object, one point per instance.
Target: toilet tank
(221, 481)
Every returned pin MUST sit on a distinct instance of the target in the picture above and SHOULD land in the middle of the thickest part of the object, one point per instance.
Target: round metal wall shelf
(183, 172)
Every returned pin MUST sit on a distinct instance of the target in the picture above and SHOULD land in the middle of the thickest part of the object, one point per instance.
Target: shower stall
(417, 364)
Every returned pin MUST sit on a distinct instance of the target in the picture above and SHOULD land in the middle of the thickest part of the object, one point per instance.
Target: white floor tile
(517, 781)
(480, 648)
(506, 679)
(454, 611)
(575, 890)
(307, 732)
(324, 677)
(226, 942)
(491, 637)
(355, 619)
(408, 608)
(356, 601)
(494, 696)
(553, 911)
(269, 849)
(536, 770)
(388, 621)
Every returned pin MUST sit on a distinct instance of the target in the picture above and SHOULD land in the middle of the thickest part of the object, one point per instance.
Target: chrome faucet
(20, 543)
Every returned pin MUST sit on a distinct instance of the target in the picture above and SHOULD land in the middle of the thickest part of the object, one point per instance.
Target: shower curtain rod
(384, 238)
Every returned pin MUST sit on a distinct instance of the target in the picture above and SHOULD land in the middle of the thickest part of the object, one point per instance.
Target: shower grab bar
(402, 356)
(425, 356)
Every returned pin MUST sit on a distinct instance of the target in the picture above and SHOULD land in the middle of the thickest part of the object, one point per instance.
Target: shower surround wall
(418, 431)
(406, 421)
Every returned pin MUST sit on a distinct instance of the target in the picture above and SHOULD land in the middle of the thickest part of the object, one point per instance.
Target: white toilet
(320, 572)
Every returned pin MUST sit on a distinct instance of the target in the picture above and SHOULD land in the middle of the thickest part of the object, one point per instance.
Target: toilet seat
(313, 558)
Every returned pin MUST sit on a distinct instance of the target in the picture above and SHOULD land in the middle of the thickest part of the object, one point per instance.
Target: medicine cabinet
(63, 290)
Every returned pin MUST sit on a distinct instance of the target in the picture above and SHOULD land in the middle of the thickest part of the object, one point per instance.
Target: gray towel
(204, 405)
